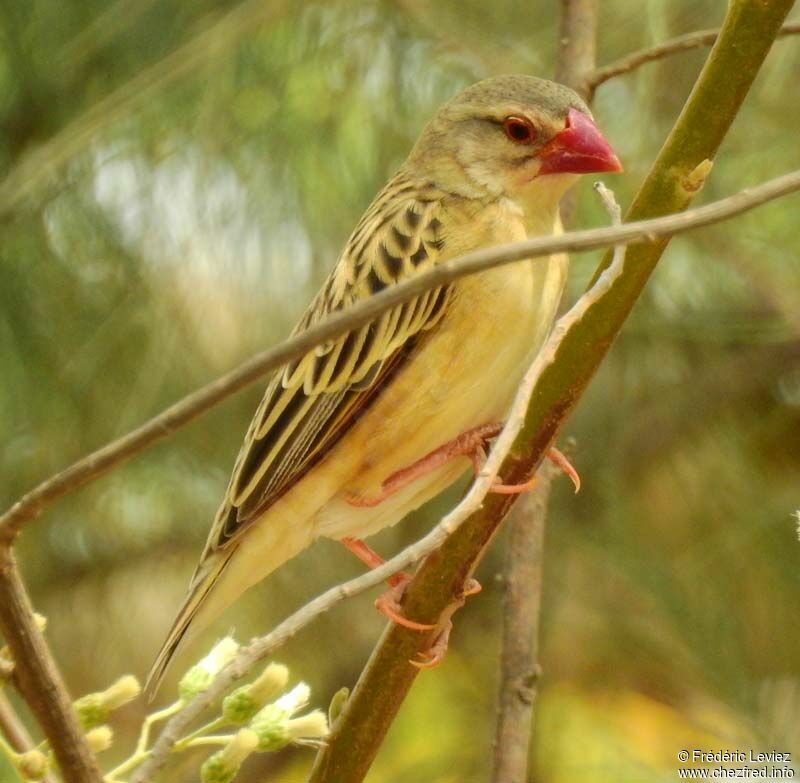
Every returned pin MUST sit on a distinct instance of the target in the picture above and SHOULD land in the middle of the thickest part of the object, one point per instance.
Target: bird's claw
(433, 655)
(388, 605)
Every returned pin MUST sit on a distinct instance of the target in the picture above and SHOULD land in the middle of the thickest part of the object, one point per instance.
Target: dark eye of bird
(519, 130)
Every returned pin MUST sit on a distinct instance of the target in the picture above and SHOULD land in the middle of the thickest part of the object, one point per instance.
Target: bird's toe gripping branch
(389, 605)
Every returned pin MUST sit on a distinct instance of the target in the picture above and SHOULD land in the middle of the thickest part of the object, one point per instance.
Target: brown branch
(681, 43)
(193, 405)
(38, 679)
(12, 728)
(519, 667)
(577, 44)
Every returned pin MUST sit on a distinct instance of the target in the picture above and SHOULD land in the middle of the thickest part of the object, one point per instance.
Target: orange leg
(468, 444)
(387, 604)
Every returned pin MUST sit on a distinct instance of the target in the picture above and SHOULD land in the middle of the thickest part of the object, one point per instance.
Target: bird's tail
(202, 583)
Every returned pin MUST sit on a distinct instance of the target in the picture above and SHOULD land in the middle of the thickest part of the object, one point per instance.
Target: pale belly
(465, 375)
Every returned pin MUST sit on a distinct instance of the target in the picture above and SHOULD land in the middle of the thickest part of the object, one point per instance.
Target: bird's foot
(389, 605)
(469, 444)
(432, 656)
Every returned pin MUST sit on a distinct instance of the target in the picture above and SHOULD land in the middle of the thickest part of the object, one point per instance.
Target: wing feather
(314, 400)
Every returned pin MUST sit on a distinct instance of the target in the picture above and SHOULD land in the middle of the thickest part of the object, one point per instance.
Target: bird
(353, 435)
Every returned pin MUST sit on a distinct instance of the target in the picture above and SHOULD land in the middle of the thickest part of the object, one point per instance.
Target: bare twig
(38, 678)
(193, 405)
(12, 728)
(576, 58)
(577, 44)
(519, 656)
(681, 43)
(15, 732)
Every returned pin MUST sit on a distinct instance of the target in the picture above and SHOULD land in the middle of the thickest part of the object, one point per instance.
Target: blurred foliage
(191, 231)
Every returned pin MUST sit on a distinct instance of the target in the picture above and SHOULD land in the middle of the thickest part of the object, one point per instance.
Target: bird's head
(508, 135)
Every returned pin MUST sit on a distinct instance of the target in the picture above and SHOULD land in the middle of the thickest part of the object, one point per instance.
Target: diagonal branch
(116, 452)
(38, 678)
(681, 43)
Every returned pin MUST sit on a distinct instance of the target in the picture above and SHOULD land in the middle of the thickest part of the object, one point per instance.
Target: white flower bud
(275, 727)
(100, 739)
(295, 699)
(223, 765)
(200, 676)
(125, 689)
(314, 725)
(32, 765)
(94, 708)
(241, 705)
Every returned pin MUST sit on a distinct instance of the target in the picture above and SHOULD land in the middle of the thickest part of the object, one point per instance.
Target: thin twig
(12, 728)
(577, 44)
(193, 405)
(576, 58)
(38, 679)
(519, 651)
(681, 43)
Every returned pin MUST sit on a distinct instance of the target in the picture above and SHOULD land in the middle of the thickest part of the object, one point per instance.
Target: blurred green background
(171, 227)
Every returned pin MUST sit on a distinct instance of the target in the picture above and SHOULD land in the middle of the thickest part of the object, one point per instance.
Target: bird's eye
(519, 130)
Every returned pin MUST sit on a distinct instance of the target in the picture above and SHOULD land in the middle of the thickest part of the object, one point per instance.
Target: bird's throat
(538, 200)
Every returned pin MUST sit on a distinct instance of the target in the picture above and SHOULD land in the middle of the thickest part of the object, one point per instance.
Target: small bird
(365, 428)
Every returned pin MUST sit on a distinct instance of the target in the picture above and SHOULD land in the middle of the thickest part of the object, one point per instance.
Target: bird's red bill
(579, 149)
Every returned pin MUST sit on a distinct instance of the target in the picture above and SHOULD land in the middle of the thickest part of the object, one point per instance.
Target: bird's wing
(314, 400)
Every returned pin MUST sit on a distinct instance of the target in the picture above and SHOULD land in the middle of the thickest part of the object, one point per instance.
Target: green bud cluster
(241, 705)
(32, 765)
